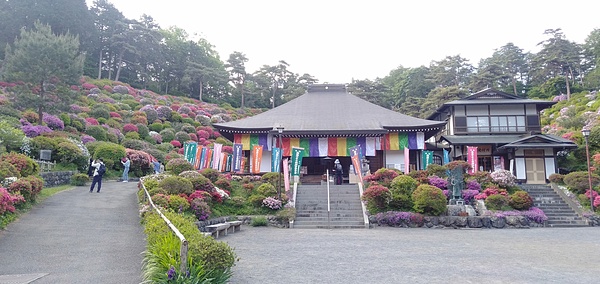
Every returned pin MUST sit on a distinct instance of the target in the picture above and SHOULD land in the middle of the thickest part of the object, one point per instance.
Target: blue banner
(237, 157)
(275, 159)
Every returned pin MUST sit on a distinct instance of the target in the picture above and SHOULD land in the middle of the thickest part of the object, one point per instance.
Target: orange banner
(256, 158)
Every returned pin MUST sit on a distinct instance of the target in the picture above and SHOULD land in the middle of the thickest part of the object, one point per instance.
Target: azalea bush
(395, 218)
(272, 203)
(377, 198)
(503, 178)
(8, 200)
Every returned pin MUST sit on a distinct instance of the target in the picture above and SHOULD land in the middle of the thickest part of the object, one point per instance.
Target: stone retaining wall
(52, 179)
(457, 222)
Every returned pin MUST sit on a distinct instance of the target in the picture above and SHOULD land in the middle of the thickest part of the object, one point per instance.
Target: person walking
(99, 170)
(126, 163)
(337, 168)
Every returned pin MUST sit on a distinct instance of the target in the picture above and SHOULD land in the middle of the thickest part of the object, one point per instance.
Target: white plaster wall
(550, 169)
(265, 164)
(395, 157)
(520, 167)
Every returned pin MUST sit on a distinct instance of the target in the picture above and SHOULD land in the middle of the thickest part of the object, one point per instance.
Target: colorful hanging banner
(256, 159)
(446, 158)
(209, 157)
(286, 177)
(249, 140)
(189, 151)
(228, 166)
(296, 160)
(355, 157)
(472, 159)
(217, 148)
(406, 160)
(203, 158)
(198, 157)
(237, 157)
(427, 159)
(275, 159)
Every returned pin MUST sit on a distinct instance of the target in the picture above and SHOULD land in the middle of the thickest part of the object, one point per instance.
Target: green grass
(7, 217)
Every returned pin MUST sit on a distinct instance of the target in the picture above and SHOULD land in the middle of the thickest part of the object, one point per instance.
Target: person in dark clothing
(90, 171)
(337, 168)
(97, 175)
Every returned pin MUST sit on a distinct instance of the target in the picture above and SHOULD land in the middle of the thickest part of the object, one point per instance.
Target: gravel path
(396, 255)
(77, 237)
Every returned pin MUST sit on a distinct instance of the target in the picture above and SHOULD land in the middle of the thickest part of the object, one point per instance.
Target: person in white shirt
(97, 175)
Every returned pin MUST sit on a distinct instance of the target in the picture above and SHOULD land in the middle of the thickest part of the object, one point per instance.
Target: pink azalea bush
(8, 201)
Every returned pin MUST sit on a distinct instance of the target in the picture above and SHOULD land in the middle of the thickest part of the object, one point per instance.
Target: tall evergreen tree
(42, 61)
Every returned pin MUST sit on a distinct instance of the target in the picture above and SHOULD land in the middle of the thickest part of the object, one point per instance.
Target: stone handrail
(362, 204)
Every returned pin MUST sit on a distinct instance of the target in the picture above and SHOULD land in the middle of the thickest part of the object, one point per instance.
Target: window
(510, 123)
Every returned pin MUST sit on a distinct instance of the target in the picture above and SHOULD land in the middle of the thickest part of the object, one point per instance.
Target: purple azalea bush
(53, 122)
(438, 182)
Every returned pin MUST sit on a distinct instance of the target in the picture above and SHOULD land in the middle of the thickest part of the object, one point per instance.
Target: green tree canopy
(42, 61)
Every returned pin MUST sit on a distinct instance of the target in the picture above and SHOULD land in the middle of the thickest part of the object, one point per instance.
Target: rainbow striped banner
(337, 146)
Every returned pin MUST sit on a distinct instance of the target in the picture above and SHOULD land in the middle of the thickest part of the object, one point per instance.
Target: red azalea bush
(91, 121)
(199, 194)
(114, 114)
(377, 198)
(129, 128)
(176, 144)
(383, 176)
(140, 162)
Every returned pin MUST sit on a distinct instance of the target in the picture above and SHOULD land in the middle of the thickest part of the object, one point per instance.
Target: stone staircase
(311, 207)
(559, 213)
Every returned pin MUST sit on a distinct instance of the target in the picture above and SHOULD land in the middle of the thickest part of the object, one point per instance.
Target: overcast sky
(336, 41)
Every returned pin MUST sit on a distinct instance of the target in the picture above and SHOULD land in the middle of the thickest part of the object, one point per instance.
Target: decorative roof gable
(491, 94)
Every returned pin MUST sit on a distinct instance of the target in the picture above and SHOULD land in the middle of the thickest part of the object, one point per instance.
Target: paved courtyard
(396, 255)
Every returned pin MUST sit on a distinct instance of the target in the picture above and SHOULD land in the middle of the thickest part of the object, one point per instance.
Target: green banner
(297, 155)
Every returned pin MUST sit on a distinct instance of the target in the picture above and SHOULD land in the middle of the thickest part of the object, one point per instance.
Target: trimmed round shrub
(520, 200)
(201, 182)
(556, 178)
(178, 165)
(25, 165)
(578, 182)
(129, 128)
(377, 198)
(97, 131)
(404, 184)
(8, 170)
(429, 200)
(189, 174)
(167, 134)
(100, 111)
(156, 127)
(69, 153)
(271, 178)
(266, 189)
(79, 179)
(437, 170)
(178, 203)
(212, 174)
(496, 202)
(160, 200)
(182, 137)
(134, 143)
(176, 185)
(143, 130)
(111, 153)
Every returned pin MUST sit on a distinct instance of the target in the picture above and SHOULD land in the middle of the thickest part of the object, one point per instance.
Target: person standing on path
(126, 163)
(98, 173)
